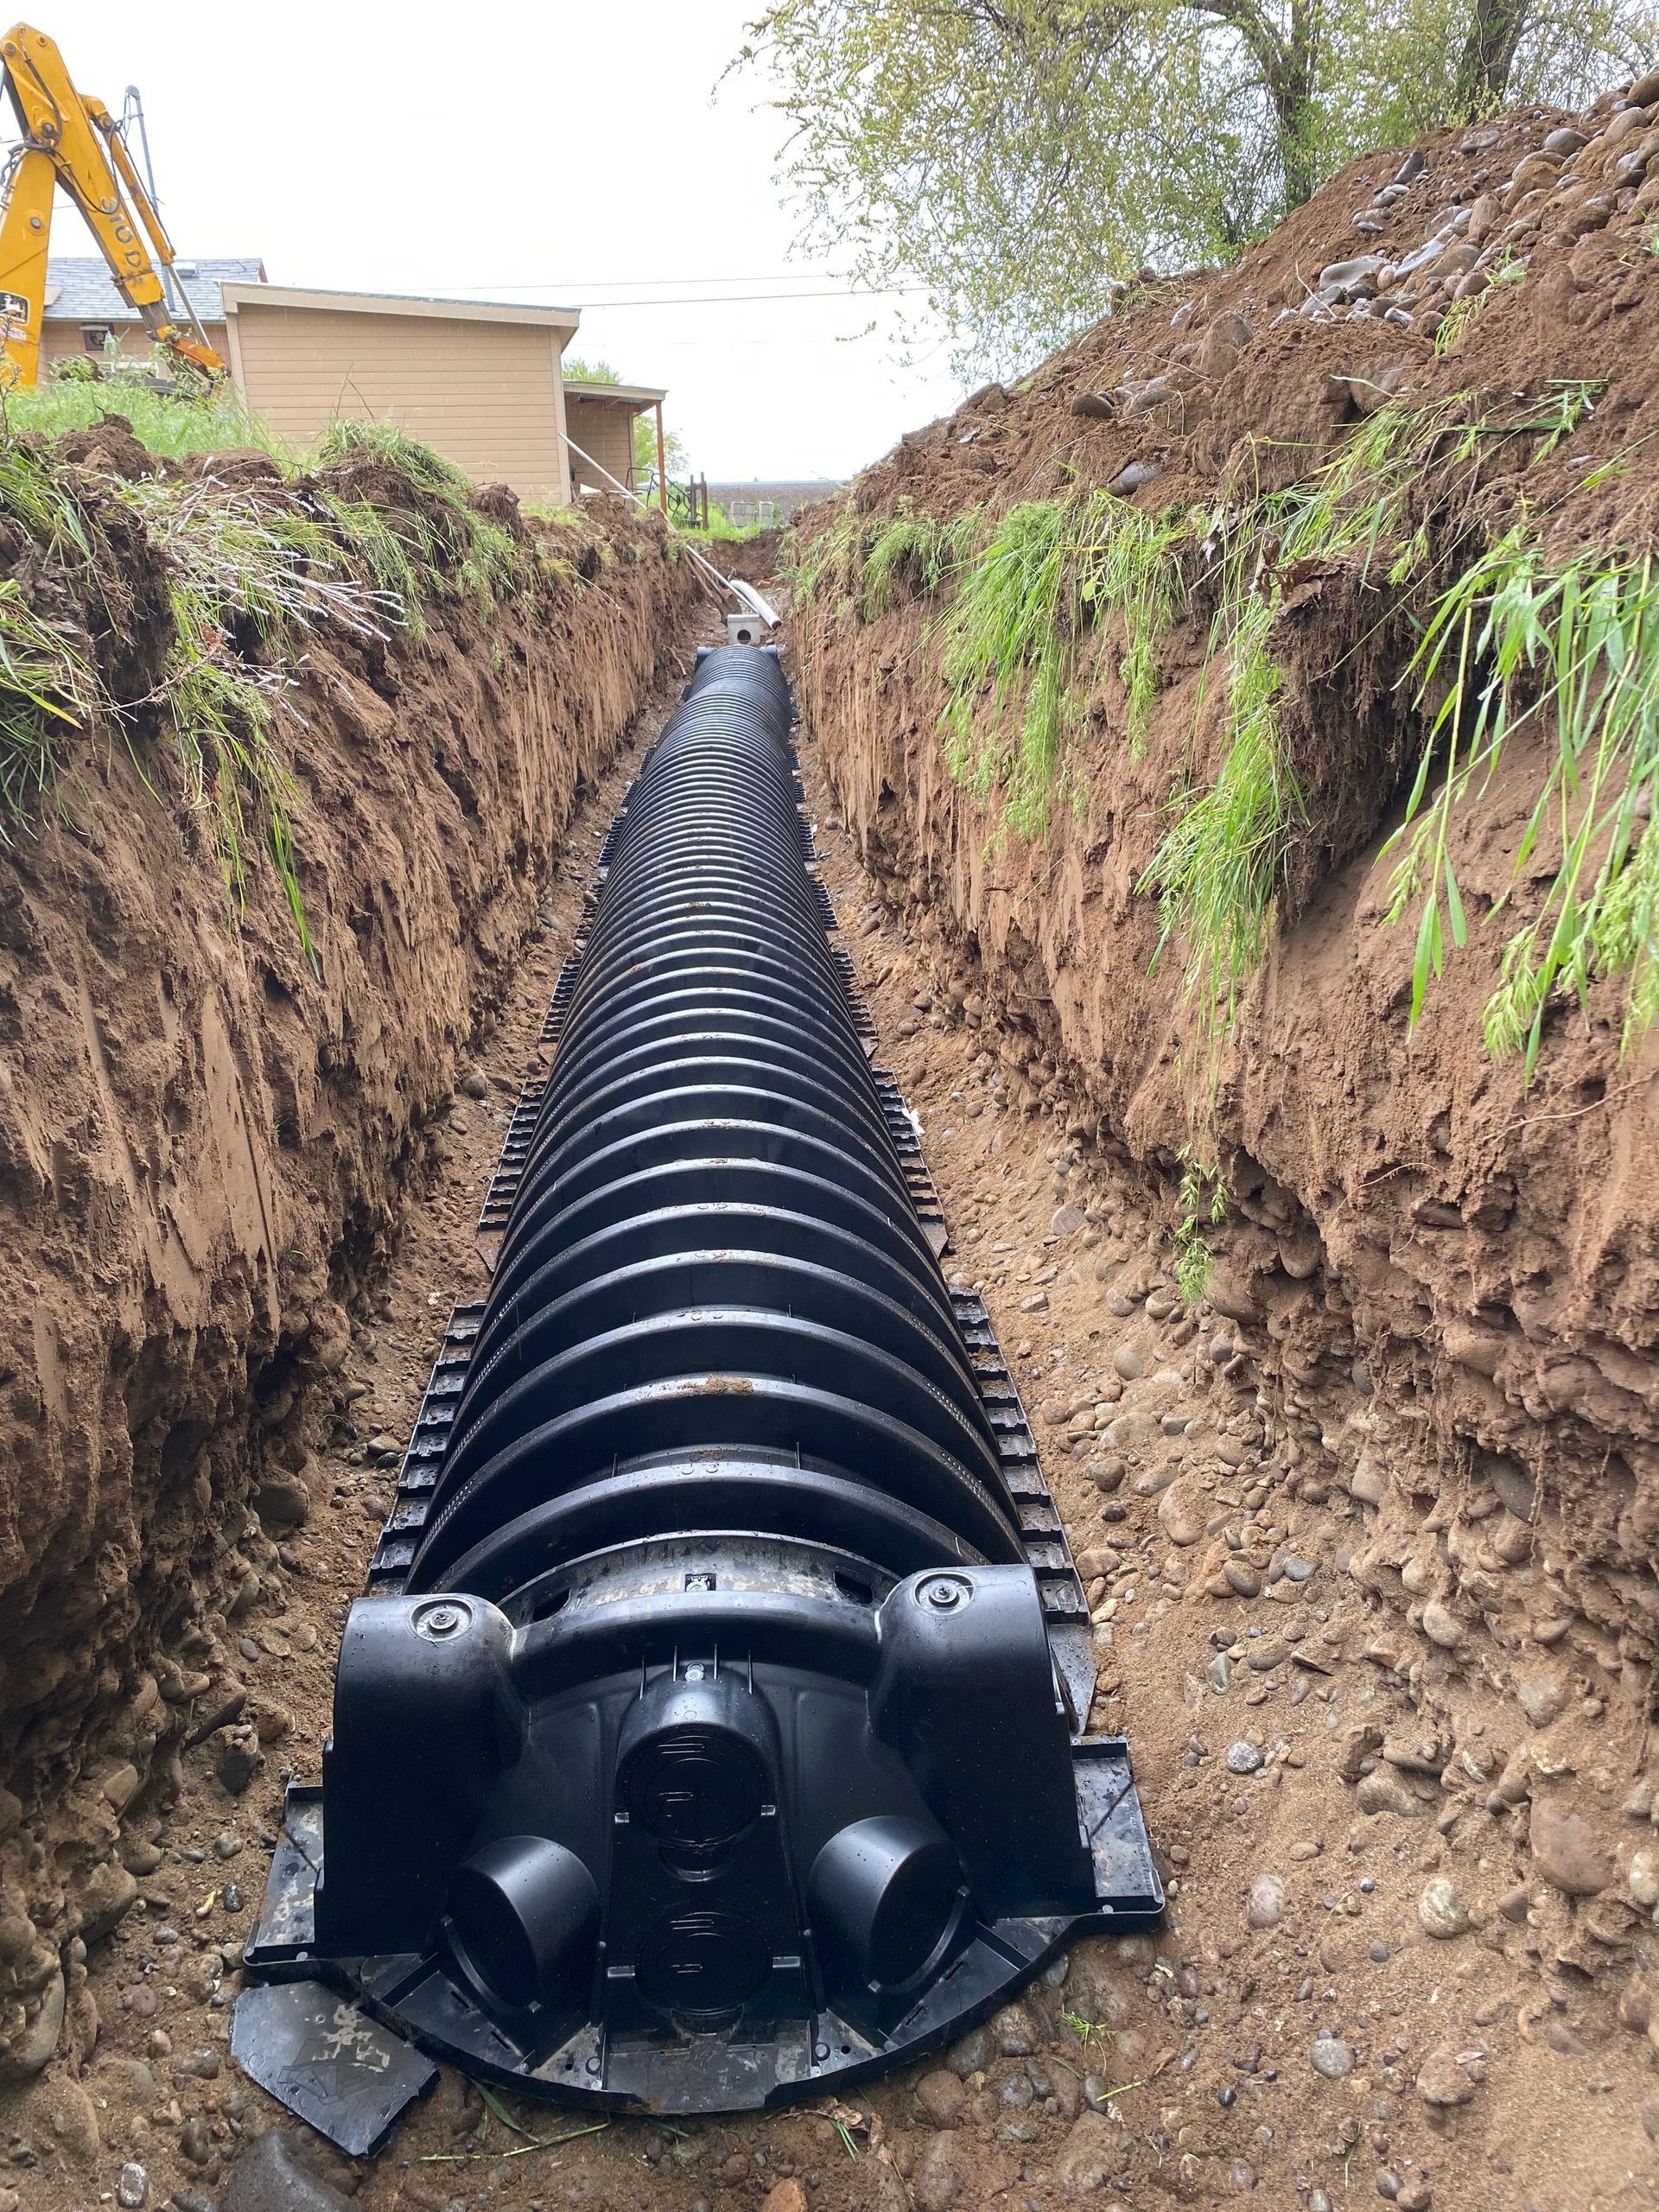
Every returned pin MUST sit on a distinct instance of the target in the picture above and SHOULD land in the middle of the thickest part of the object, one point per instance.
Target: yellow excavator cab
(71, 140)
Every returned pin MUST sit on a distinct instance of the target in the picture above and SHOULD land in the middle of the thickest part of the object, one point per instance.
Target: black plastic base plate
(349, 2076)
(412, 1997)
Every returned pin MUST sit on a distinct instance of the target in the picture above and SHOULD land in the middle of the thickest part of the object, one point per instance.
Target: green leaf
(1454, 909)
(1428, 954)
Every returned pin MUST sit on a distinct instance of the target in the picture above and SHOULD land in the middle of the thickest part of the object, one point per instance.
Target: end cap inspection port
(943, 1593)
(441, 1622)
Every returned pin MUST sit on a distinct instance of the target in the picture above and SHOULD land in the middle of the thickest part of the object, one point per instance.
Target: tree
(645, 449)
(1010, 158)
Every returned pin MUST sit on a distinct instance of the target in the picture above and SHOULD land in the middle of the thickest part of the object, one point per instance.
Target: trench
(1328, 1893)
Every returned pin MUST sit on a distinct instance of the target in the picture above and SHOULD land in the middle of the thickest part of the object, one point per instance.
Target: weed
(244, 571)
(224, 730)
(721, 530)
(396, 565)
(826, 562)
(46, 682)
(1133, 569)
(490, 565)
(919, 547)
(38, 492)
(1203, 1203)
(1008, 627)
(270, 563)
(1461, 313)
(1521, 642)
(420, 464)
(1026, 600)
(1082, 2028)
(1220, 867)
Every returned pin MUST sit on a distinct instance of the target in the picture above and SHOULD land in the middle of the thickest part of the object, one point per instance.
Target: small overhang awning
(636, 398)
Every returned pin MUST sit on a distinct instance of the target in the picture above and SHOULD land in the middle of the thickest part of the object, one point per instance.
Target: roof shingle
(81, 289)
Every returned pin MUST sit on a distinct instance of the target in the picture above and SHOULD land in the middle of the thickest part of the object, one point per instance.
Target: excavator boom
(73, 141)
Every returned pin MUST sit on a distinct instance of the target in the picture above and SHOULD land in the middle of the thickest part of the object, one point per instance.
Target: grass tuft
(1221, 865)
(205, 420)
(1026, 601)
(1203, 1204)
(1013, 626)
(492, 567)
(918, 549)
(246, 575)
(1522, 642)
(250, 573)
(47, 687)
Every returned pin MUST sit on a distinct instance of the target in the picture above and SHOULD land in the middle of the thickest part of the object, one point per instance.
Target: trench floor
(1179, 2067)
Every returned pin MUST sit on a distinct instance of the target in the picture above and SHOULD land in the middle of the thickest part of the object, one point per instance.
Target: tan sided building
(480, 381)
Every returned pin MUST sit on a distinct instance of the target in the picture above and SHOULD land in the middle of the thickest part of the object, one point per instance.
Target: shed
(479, 380)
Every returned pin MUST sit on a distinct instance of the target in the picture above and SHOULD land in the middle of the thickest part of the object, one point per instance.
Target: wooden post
(662, 461)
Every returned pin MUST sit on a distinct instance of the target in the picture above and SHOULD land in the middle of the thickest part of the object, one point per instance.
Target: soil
(1437, 1278)
(204, 1145)
(1329, 1889)
(1440, 1278)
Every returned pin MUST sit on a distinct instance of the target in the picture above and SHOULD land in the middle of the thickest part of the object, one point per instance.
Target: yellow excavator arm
(71, 140)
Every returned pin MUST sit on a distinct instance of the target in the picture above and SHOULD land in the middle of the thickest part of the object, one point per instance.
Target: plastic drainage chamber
(714, 1731)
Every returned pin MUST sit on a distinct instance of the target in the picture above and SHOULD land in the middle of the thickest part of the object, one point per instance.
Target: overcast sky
(556, 154)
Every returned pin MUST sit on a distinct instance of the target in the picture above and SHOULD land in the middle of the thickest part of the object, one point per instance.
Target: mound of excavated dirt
(203, 1143)
(1433, 1320)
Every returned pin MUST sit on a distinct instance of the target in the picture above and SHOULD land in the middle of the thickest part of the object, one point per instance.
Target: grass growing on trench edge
(1049, 572)
(1507, 638)
(211, 419)
(1573, 648)
(249, 572)
(1533, 641)
(919, 549)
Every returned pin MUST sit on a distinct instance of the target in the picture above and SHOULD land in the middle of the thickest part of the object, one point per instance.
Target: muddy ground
(1364, 1990)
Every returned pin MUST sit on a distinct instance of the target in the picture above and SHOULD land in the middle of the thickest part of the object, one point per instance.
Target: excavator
(71, 139)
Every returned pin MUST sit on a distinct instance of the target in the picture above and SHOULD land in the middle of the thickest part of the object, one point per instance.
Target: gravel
(1266, 1905)
(1442, 1911)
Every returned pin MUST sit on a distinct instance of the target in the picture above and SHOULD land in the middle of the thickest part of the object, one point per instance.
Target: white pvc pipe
(744, 593)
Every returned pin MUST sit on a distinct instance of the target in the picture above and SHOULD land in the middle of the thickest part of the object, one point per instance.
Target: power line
(701, 299)
(744, 299)
(603, 283)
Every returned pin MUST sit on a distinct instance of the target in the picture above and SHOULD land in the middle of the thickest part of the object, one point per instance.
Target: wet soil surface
(1363, 1991)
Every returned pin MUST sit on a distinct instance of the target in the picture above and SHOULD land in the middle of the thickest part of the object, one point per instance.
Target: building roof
(79, 289)
(635, 395)
(237, 295)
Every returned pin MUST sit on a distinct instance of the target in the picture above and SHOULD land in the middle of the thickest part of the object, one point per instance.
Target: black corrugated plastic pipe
(714, 1743)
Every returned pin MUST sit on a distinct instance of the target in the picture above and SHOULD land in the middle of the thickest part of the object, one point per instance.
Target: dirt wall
(203, 1145)
(1444, 1279)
